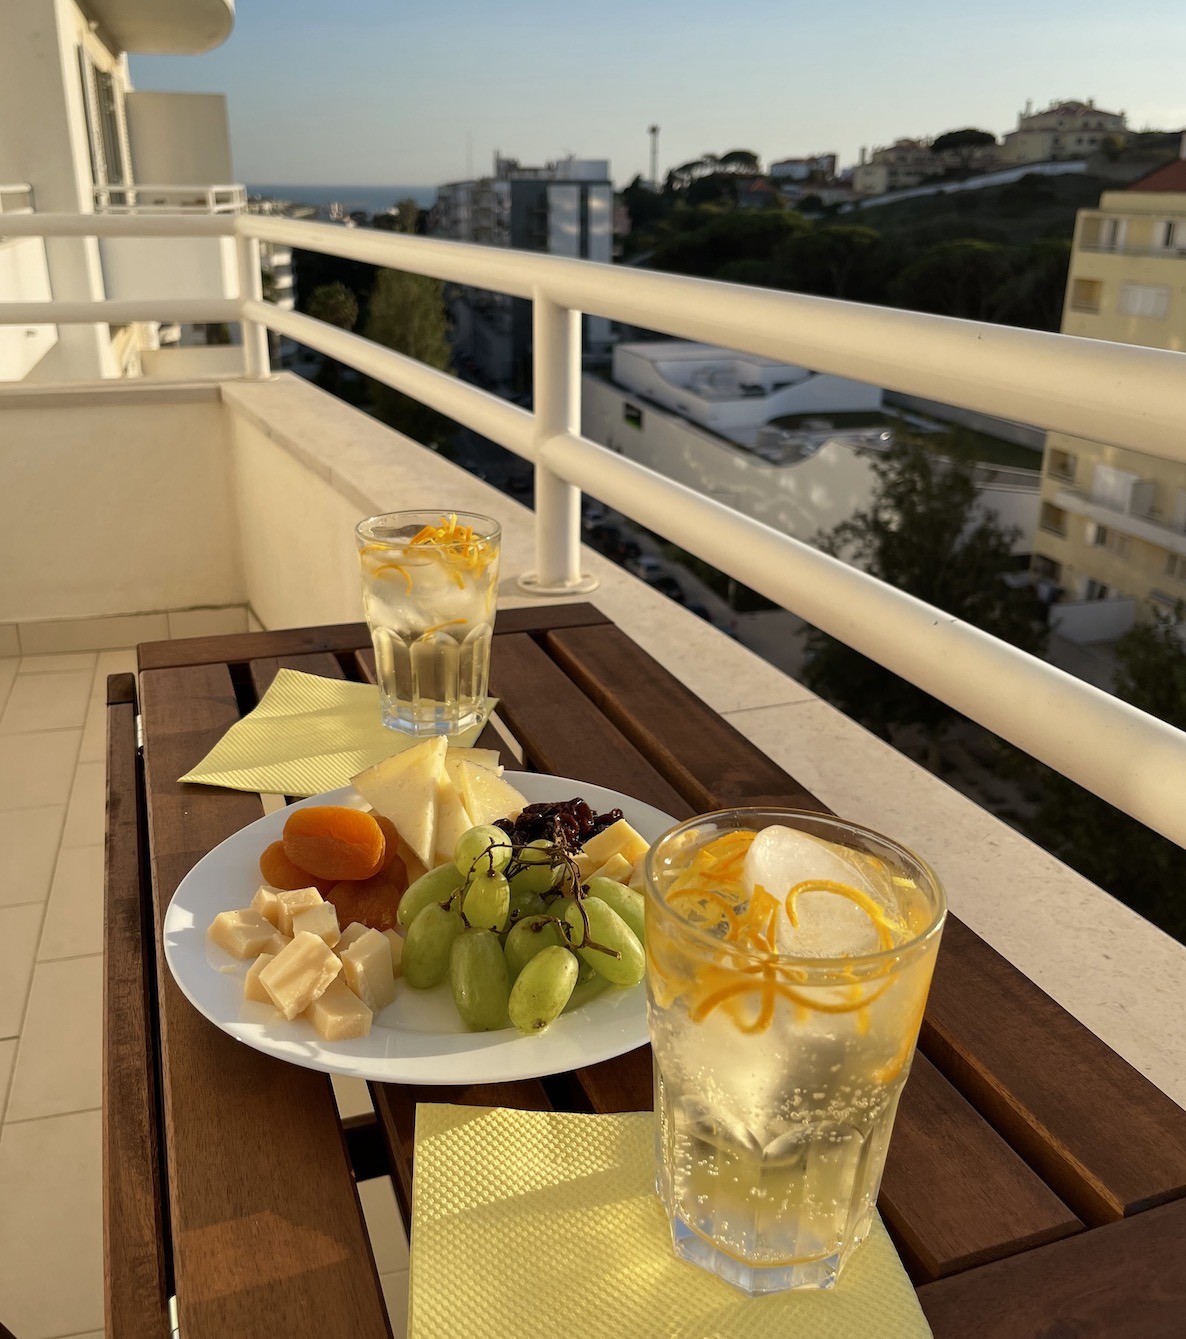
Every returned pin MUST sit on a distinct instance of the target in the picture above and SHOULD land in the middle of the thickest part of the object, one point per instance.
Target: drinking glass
(789, 957)
(429, 589)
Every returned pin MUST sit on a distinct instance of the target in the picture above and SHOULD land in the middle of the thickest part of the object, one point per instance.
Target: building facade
(1064, 130)
(1113, 522)
(565, 208)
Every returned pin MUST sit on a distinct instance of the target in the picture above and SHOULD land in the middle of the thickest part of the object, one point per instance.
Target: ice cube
(830, 925)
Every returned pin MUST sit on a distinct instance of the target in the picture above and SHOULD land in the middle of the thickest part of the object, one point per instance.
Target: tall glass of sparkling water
(429, 588)
(789, 957)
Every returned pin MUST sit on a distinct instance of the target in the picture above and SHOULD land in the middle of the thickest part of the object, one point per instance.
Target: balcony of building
(139, 510)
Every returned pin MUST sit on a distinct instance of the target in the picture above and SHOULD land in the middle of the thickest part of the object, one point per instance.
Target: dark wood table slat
(1099, 1132)
(244, 1250)
(1126, 1280)
(709, 762)
(563, 732)
(238, 648)
(135, 1265)
(395, 1106)
(954, 1194)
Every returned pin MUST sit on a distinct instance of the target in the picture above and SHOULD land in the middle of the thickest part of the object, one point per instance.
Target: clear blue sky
(395, 92)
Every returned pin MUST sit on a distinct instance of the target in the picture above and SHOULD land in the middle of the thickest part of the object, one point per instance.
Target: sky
(383, 92)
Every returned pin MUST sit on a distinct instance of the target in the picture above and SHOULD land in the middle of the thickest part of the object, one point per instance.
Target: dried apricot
(392, 838)
(278, 871)
(333, 842)
(372, 901)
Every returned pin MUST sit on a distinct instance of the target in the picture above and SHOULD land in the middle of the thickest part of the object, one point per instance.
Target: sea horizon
(372, 199)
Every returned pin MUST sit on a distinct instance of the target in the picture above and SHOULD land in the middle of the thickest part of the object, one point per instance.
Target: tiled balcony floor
(52, 740)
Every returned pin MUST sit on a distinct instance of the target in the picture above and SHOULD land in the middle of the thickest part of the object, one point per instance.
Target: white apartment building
(565, 208)
(77, 138)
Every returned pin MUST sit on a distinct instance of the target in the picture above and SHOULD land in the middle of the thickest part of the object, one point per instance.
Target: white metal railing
(150, 199)
(16, 198)
(1124, 395)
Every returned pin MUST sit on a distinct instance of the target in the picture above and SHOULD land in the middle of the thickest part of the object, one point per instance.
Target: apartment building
(1112, 530)
(1064, 130)
(565, 208)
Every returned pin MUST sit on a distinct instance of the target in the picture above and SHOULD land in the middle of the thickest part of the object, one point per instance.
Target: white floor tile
(8, 672)
(7, 1061)
(20, 928)
(58, 664)
(51, 1229)
(90, 634)
(395, 1294)
(86, 814)
(389, 1242)
(120, 661)
(352, 1096)
(59, 1064)
(28, 852)
(37, 769)
(47, 702)
(94, 731)
(74, 915)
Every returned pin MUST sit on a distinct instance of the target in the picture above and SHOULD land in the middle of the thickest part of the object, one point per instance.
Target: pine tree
(407, 314)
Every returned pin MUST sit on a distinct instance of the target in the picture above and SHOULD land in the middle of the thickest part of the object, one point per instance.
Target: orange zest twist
(456, 546)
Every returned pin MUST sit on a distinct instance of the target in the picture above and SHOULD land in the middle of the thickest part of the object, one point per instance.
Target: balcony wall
(184, 496)
(153, 269)
(24, 277)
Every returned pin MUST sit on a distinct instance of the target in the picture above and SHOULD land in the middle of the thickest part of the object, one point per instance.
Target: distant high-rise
(564, 208)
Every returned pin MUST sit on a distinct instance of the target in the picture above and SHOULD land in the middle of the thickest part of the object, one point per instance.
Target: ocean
(372, 199)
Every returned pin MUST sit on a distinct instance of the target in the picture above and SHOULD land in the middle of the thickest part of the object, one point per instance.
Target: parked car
(643, 565)
(670, 587)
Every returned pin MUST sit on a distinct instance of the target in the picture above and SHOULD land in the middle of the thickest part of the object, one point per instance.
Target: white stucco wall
(24, 277)
(179, 139)
(115, 501)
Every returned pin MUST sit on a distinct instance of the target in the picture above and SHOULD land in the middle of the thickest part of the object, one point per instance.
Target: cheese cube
(338, 1014)
(617, 867)
(350, 934)
(243, 933)
(367, 969)
(252, 990)
(618, 839)
(267, 902)
(298, 975)
(319, 920)
(276, 943)
(289, 903)
(397, 950)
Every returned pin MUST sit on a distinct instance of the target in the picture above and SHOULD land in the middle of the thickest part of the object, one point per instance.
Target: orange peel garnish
(872, 909)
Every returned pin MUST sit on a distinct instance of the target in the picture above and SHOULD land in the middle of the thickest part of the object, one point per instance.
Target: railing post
(556, 381)
(256, 362)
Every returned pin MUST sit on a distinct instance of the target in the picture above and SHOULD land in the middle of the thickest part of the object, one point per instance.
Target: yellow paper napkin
(307, 735)
(530, 1223)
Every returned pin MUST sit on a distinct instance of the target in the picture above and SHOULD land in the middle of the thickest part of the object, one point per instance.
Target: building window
(1175, 566)
(1148, 300)
(1053, 519)
(1061, 465)
(632, 415)
(1166, 232)
(1097, 535)
(1094, 590)
(1086, 295)
(1045, 568)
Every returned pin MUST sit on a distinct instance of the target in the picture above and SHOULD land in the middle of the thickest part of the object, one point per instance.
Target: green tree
(836, 261)
(407, 314)
(962, 278)
(405, 217)
(1134, 864)
(926, 533)
(963, 143)
(336, 305)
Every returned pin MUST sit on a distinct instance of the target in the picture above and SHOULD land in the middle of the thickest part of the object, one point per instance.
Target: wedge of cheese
(487, 797)
(453, 818)
(403, 788)
(487, 758)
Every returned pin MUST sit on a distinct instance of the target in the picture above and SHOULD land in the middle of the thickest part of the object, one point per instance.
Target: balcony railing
(16, 198)
(1128, 396)
(139, 199)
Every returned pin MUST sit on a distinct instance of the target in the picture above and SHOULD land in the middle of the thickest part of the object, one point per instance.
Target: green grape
(543, 989)
(608, 928)
(586, 973)
(627, 902)
(529, 937)
(534, 871)
(438, 885)
(483, 849)
(480, 981)
(586, 990)
(524, 905)
(487, 901)
(427, 945)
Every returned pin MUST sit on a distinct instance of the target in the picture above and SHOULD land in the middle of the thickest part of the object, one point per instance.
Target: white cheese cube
(338, 1014)
(267, 902)
(618, 839)
(276, 943)
(300, 974)
(367, 969)
(243, 933)
(350, 934)
(397, 951)
(252, 990)
(319, 920)
(617, 867)
(289, 903)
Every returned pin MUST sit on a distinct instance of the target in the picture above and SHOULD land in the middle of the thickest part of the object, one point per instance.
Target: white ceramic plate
(419, 1038)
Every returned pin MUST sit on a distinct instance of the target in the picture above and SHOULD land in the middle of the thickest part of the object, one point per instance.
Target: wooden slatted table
(1036, 1184)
